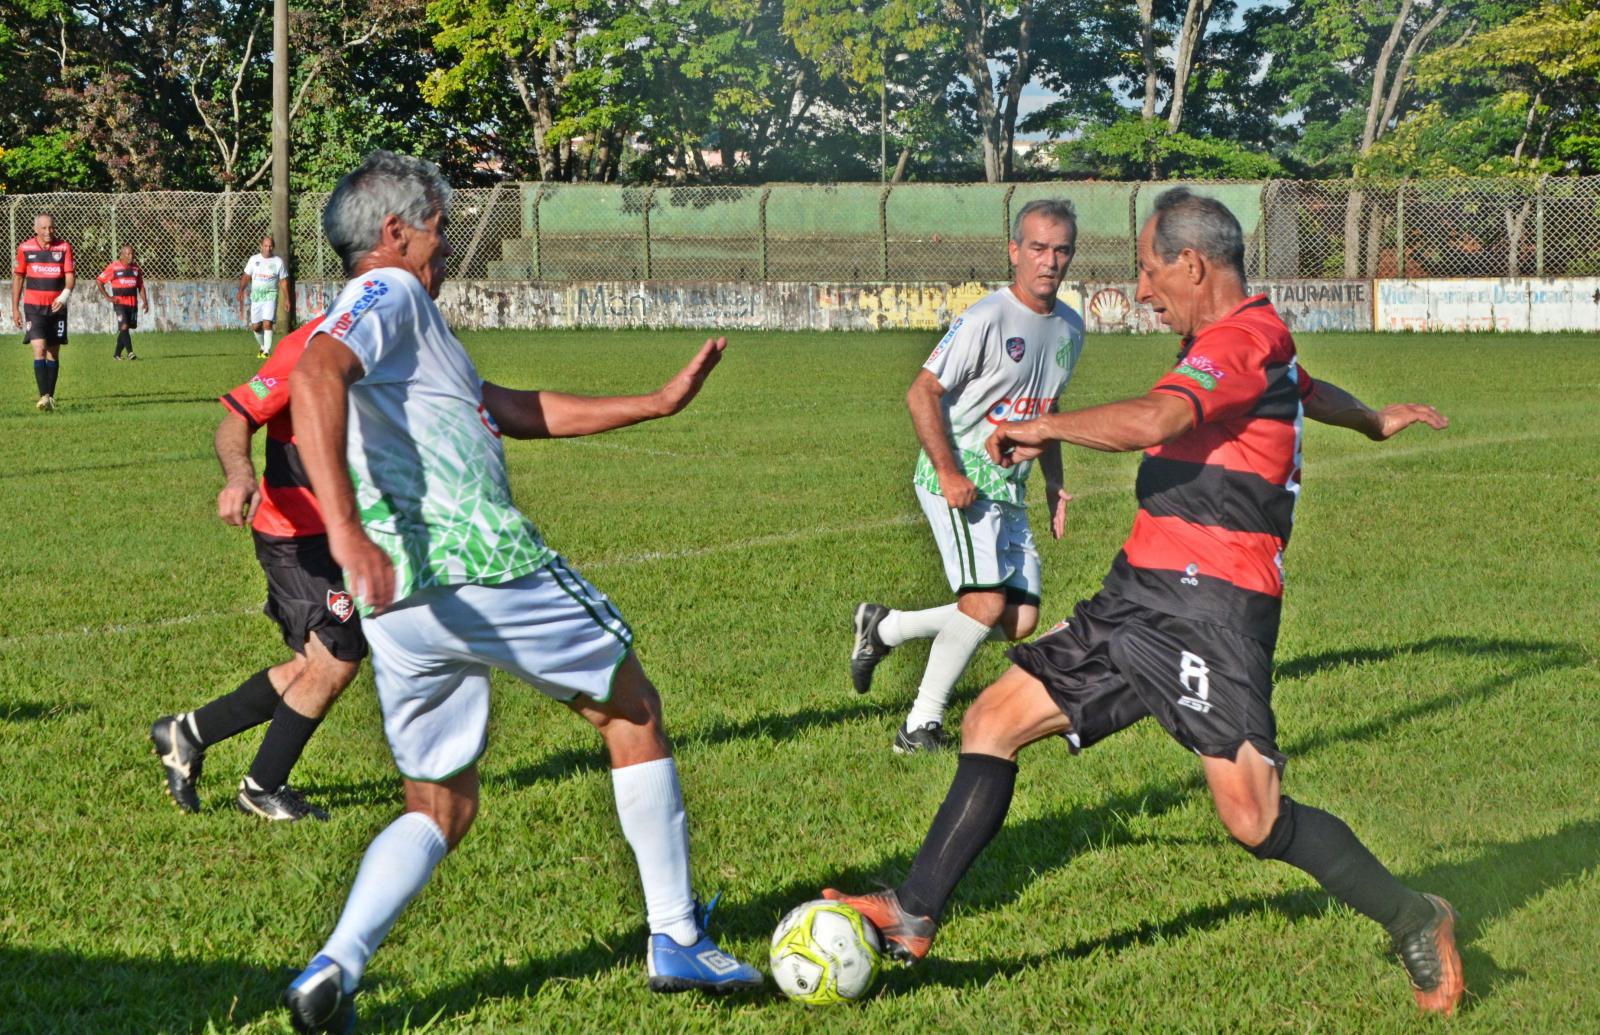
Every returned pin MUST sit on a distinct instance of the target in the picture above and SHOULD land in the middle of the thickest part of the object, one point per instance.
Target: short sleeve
(959, 355)
(1222, 375)
(105, 275)
(1303, 381)
(372, 316)
(22, 263)
(265, 395)
(66, 260)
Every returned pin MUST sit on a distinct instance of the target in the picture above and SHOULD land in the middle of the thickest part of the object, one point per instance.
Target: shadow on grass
(143, 462)
(33, 711)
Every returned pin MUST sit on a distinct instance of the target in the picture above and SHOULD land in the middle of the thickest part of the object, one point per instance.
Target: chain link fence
(870, 233)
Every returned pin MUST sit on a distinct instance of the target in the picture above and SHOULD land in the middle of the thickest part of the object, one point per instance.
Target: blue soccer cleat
(317, 1000)
(702, 966)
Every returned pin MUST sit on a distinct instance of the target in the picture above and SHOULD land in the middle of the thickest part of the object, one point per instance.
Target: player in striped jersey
(1183, 629)
(40, 290)
(122, 283)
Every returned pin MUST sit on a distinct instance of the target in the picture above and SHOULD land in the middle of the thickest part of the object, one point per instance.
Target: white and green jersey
(1000, 361)
(425, 455)
(264, 274)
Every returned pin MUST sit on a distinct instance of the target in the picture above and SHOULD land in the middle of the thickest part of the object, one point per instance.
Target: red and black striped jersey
(125, 279)
(44, 269)
(287, 507)
(1216, 504)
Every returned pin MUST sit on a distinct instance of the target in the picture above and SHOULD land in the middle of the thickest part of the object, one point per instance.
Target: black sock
(1323, 846)
(124, 341)
(280, 749)
(973, 810)
(250, 705)
(40, 376)
(52, 370)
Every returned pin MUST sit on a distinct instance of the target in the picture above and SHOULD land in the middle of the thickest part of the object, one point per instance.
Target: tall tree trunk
(974, 17)
(1193, 31)
(1021, 72)
(1147, 52)
(899, 175)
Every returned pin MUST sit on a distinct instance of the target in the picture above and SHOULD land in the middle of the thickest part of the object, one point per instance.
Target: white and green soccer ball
(825, 952)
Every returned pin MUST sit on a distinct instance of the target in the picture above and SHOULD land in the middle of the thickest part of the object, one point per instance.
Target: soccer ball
(825, 952)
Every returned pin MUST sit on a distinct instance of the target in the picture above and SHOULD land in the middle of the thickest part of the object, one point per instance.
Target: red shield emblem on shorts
(340, 605)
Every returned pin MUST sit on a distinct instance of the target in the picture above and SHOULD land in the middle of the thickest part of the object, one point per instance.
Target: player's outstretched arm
(537, 414)
(240, 496)
(1117, 427)
(1330, 404)
(319, 393)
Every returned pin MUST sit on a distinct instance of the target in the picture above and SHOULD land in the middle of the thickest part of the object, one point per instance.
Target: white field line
(796, 535)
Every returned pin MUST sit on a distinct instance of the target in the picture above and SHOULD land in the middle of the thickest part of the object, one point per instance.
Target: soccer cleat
(869, 650)
(47, 403)
(117, 356)
(1432, 962)
(701, 966)
(181, 757)
(260, 354)
(132, 356)
(930, 736)
(907, 938)
(317, 1000)
(285, 803)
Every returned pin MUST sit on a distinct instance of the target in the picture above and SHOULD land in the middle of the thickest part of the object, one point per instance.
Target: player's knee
(986, 730)
(983, 606)
(1250, 823)
(1023, 625)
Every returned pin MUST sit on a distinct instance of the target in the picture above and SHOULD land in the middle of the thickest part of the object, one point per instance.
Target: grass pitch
(1436, 687)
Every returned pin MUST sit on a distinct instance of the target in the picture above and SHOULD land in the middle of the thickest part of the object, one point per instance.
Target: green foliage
(49, 162)
(1132, 148)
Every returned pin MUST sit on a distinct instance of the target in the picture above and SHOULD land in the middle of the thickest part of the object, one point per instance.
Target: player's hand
(237, 503)
(1015, 443)
(1059, 498)
(16, 318)
(1394, 419)
(686, 383)
(368, 572)
(957, 489)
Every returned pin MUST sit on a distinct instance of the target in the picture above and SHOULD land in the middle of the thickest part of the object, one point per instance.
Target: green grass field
(1436, 683)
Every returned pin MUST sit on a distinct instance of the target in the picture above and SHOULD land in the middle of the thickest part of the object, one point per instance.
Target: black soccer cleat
(906, 938)
(1432, 961)
(285, 803)
(317, 1000)
(930, 736)
(869, 650)
(181, 757)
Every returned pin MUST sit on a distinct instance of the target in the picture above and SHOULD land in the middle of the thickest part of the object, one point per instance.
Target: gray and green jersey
(1000, 361)
(264, 274)
(424, 453)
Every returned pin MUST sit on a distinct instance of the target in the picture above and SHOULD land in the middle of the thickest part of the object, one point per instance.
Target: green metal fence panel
(706, 233)
(826, 234)
(948, 232)
(593, 232)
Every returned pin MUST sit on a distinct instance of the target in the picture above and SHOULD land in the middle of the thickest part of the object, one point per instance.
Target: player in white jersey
(263, 272)
(402, 442)
(1008, 357)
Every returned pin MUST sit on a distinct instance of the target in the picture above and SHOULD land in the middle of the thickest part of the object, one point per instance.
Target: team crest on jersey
(340, 605)
(1015, 347)
(488, 420)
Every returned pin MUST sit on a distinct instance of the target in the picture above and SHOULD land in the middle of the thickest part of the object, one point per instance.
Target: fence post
(761, 222)
(216, 241)
(538, 199)
(649, 196)
(1005, 223)
(1400, 229)
(883, 234)
(321, 257)
(1133, 228)
(113, 227)
(11, 221)
(1538, 227)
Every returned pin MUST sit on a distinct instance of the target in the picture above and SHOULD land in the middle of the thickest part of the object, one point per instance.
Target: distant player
(122, 283)
(1185, 626)
(40, 290)
(305, 596)
(402, 441)
(1006, 358)
(263, 273)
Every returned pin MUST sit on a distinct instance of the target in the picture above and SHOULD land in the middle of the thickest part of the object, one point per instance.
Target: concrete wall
(1307, 305)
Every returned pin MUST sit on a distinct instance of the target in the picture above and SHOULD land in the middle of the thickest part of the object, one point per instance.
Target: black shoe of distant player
(906, 938)
(930, 736)
(284, 803)
(317, 1000)
(869, 650)
(1431, 960)
(181, 757)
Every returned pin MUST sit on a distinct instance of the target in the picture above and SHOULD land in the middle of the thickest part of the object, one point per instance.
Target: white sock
(952, 651)
(397, 864)
(650, 806)
(266, 342)
(899, 626)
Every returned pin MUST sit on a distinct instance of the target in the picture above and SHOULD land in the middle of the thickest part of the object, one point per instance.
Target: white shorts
(985, 546)
(431, 658)
(264, 311)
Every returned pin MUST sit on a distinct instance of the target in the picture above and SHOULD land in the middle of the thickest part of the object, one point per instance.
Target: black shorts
(127, 315)
(305, 595)
(39, 322)
(1113, 663)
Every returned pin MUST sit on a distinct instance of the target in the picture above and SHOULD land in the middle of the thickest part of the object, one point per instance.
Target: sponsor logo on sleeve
(1015, 348)
(371, 291)
(260, 386)
(944, 342)
(1201, 370)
